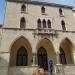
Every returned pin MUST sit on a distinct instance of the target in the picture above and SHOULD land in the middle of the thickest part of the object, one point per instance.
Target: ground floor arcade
(21, 53)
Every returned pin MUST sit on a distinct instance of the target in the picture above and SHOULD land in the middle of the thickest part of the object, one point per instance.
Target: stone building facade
(34, 33)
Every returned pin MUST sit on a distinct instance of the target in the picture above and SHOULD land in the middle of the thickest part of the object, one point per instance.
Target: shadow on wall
(5, 69)
(3, 63)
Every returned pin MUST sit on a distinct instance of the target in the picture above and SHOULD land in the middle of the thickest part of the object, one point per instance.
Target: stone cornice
(42, 3)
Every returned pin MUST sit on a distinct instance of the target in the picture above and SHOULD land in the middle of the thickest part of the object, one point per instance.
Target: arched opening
(39, 23)
(60, 11)
(22, 22)
(62, 56)
(21, 53)
(22, 57)
(43, 10)
(66, 52)
(45, 52)
(63, 25)
(44, 23)
(49, 23)
(23, 8)
(42, 58)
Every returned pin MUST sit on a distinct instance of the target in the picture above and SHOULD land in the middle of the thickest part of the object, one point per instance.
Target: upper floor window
(63, 25)
(22, 22)
(44, 23)
(49, 23)
(39, 23)
(43, 10)
(23, 8)
(60, 11)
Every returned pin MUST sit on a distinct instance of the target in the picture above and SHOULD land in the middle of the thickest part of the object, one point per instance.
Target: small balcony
(45, 31)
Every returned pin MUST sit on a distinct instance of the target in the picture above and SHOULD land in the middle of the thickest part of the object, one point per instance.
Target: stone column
(58, 58)
(34, 59)
(56, 43)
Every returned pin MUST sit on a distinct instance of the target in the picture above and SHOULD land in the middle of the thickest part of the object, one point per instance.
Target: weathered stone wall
(11, 32)
(13, 16)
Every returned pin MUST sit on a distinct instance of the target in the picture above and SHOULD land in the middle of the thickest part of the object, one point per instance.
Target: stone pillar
(58, 58)
(34, 59)
(56, 47)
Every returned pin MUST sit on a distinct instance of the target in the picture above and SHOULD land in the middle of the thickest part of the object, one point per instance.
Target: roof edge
(44, 3)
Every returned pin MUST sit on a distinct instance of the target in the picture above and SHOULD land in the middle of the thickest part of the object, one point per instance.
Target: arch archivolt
(67, 46)
(18, 37)
(18, 43)
(51, 46)
(47, 44)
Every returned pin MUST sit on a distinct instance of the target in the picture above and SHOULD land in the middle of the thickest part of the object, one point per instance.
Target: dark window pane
(62, 56)
(23, 8)
(60, 11)
(42, 58)
(63, 25)
(49, 23)
(44, 24)
(19, 61)
(39, 61)
(22, 23)
(22, 57)
(24, 60)
(39, 23)
(43, 9)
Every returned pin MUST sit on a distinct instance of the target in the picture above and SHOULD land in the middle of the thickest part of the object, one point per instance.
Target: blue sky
(66, 2)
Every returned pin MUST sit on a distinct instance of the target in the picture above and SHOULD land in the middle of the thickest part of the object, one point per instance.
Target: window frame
(63, 25)
(23, 8)
(21, 54)
(43, 10)
(22, 23)
(42, 56)
(49, 23)
(44, 23)
(61, 13)
(62, 57)
(39, 24)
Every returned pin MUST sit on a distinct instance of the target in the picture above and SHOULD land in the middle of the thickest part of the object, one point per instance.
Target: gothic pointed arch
(39, 23)
(42, 58)
(63, 25)
(66, 49)
(49, 23)
(62, 56)
(44, 23)
(23, 8)
(45, 52)
(21, 52)
(22, 23)
(60, 11)
(43, 10)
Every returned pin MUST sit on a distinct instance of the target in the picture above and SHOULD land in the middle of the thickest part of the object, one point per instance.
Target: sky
(66, 2)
